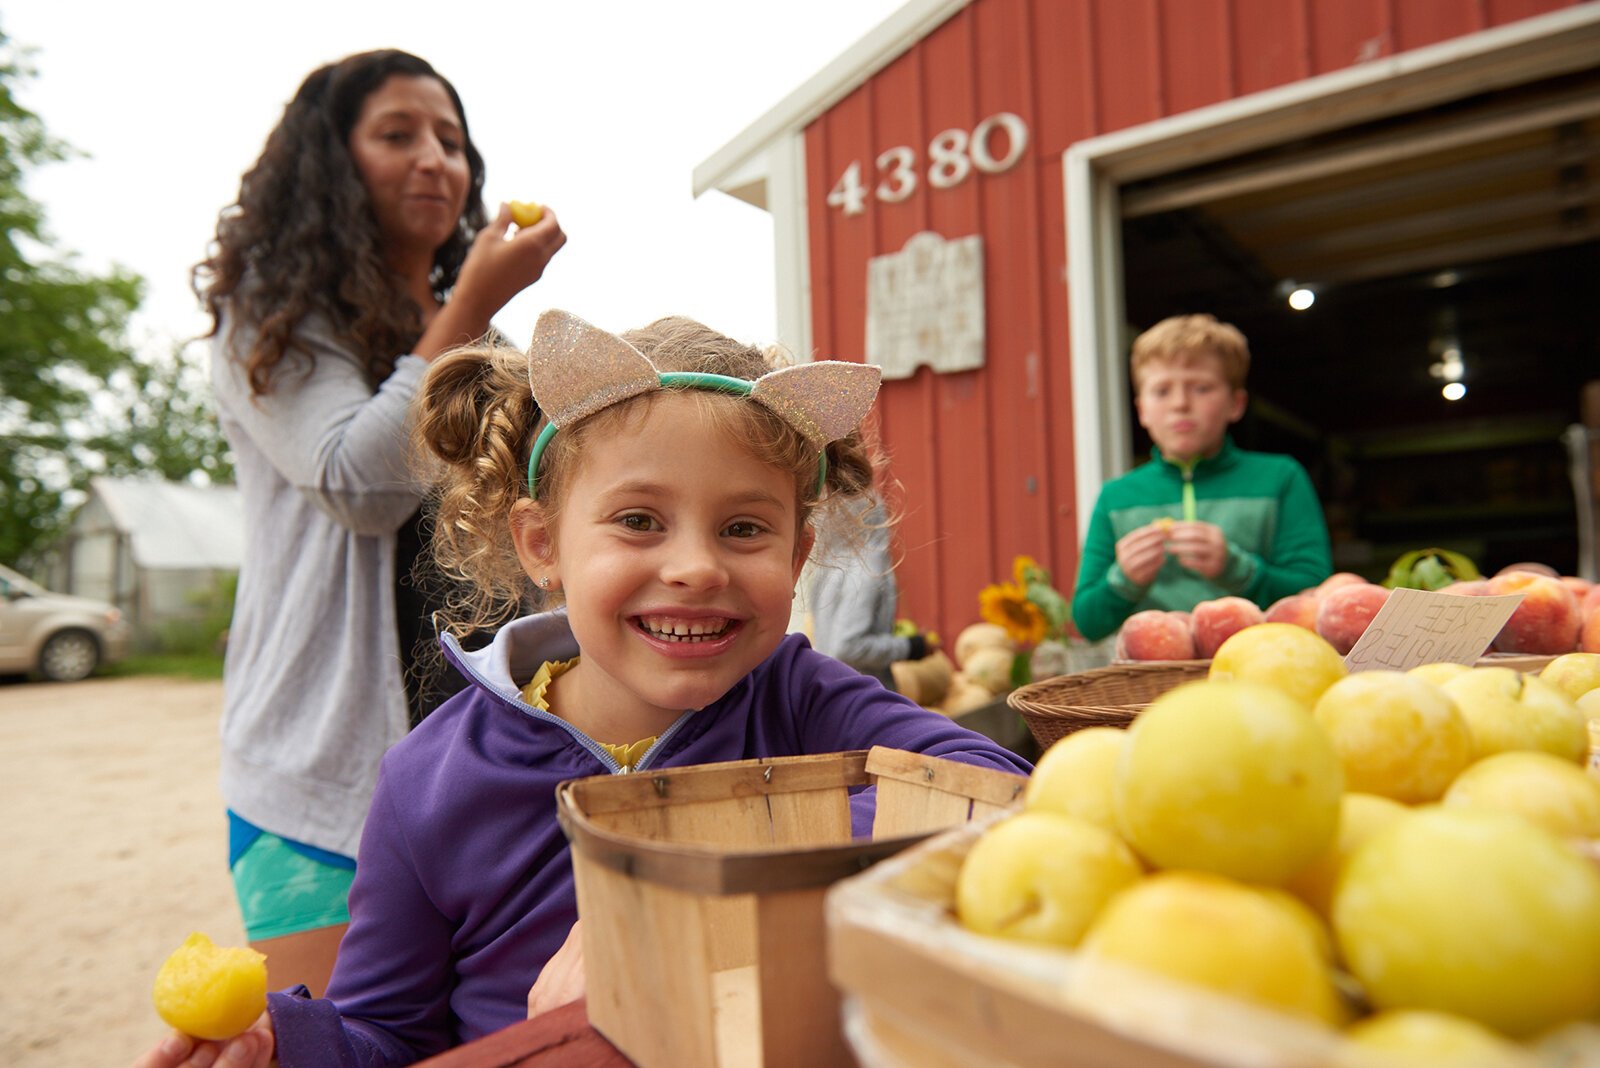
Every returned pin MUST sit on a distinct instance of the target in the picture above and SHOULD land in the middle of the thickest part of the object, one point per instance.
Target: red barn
(1074, 170)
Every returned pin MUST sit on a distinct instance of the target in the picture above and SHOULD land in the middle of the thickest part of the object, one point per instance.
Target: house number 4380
(952, 157)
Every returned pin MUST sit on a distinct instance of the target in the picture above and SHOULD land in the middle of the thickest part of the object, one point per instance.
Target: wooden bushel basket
(924, 992)
(701, 893)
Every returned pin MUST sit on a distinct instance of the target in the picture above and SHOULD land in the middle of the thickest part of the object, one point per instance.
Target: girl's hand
(562, 980)
(251, 1049)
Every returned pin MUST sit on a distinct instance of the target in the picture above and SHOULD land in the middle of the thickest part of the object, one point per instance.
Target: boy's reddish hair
(1181, 338)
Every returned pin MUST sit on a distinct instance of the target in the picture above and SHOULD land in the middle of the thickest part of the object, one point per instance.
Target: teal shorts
(282, 891)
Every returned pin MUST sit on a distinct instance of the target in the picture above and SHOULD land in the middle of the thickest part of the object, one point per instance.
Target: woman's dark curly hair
(302, 238)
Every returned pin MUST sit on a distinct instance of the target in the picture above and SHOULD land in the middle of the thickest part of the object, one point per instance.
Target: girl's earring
(544, 582)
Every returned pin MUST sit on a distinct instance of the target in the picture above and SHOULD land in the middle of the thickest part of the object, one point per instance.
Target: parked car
(56, 635)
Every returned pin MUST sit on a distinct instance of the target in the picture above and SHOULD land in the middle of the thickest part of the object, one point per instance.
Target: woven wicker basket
(1100, 697)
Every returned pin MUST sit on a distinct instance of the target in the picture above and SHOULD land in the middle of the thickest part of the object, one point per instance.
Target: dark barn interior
(1461, 243)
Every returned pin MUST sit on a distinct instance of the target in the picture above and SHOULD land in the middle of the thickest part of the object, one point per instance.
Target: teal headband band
(671, 380)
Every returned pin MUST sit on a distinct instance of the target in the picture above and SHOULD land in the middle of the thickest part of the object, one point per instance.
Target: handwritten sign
(925, 306)
(1420, 627)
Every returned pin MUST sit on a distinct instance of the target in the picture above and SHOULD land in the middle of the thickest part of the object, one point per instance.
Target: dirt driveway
(115, 849)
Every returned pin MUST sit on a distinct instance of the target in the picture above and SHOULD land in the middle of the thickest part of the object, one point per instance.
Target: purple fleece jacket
(463, 886)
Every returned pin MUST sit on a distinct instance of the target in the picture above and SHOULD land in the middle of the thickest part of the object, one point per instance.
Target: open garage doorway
(1449, 248)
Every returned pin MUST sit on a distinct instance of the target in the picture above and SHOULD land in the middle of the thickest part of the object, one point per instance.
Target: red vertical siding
(1343, 35)
(1018, 412)
(1196, 53)
(1418, 24)
(985, 457)
(1270, 43)
(1504, 11)
(1065, 106)
(1127, 53)
(963, 478)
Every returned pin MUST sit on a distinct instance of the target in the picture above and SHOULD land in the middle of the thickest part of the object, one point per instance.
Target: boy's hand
(250, 1049)
(1140, 553)
(561, 981)
(1200, 547)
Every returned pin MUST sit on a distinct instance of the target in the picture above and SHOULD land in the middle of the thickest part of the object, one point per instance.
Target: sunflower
(1007, 604)
(1025, 571)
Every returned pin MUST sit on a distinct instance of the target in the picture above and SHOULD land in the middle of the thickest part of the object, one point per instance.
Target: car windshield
(11, 582)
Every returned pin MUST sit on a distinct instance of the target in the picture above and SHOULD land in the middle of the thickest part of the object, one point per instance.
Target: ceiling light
(1454, 391)
(1445, 279)
(1302, 298)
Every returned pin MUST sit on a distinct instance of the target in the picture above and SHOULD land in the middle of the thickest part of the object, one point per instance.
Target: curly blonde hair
(1183, 338)
(475, 413)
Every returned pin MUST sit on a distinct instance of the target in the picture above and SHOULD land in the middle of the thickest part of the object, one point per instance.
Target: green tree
(70, 380)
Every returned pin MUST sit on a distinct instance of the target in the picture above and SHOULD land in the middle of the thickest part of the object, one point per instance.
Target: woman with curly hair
(359, 249)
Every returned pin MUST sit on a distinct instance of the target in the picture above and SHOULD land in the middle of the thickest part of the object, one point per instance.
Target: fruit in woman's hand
(1506, 710)
(1229, 777)
(1076, 775)
(1201, 928)
(526, 213)
(1556, 794)
(1476, 913)
(1281, 655)
(210, 991)
(1396, 735)
(1041, 877)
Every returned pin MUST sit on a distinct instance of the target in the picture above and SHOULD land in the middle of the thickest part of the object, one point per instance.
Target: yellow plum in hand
(211, 991)
(526, 213)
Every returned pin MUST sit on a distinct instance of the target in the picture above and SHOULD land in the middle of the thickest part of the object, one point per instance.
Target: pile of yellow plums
(1401, 855)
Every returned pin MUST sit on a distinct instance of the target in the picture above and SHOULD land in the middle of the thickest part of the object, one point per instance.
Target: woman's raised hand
(500, 264)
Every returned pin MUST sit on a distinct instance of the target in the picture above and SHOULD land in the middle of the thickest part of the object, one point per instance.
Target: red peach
(1217, 621)
(1297, 608)
(1547, 620)
(1467, 588)
(1589, 636)
(1345, 612)
(1337, 579)
(1590, 605)
(1533, 567)
(1155, 635)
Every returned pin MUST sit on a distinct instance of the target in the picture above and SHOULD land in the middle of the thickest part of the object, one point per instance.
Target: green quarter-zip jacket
(1265, 505)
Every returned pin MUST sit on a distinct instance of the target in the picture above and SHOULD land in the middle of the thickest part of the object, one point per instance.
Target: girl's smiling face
(678, 552)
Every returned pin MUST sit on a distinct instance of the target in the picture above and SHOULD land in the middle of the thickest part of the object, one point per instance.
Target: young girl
(668, 500)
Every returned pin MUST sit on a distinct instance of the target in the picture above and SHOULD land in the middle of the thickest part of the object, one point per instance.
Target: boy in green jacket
(1203, 519)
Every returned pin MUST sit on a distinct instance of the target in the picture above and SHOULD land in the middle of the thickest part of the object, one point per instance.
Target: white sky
(600, 108)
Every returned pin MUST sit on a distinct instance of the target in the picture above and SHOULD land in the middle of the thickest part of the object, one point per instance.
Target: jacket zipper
(1190, 511)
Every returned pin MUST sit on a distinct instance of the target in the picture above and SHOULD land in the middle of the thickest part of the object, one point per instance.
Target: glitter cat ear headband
(576, 369)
